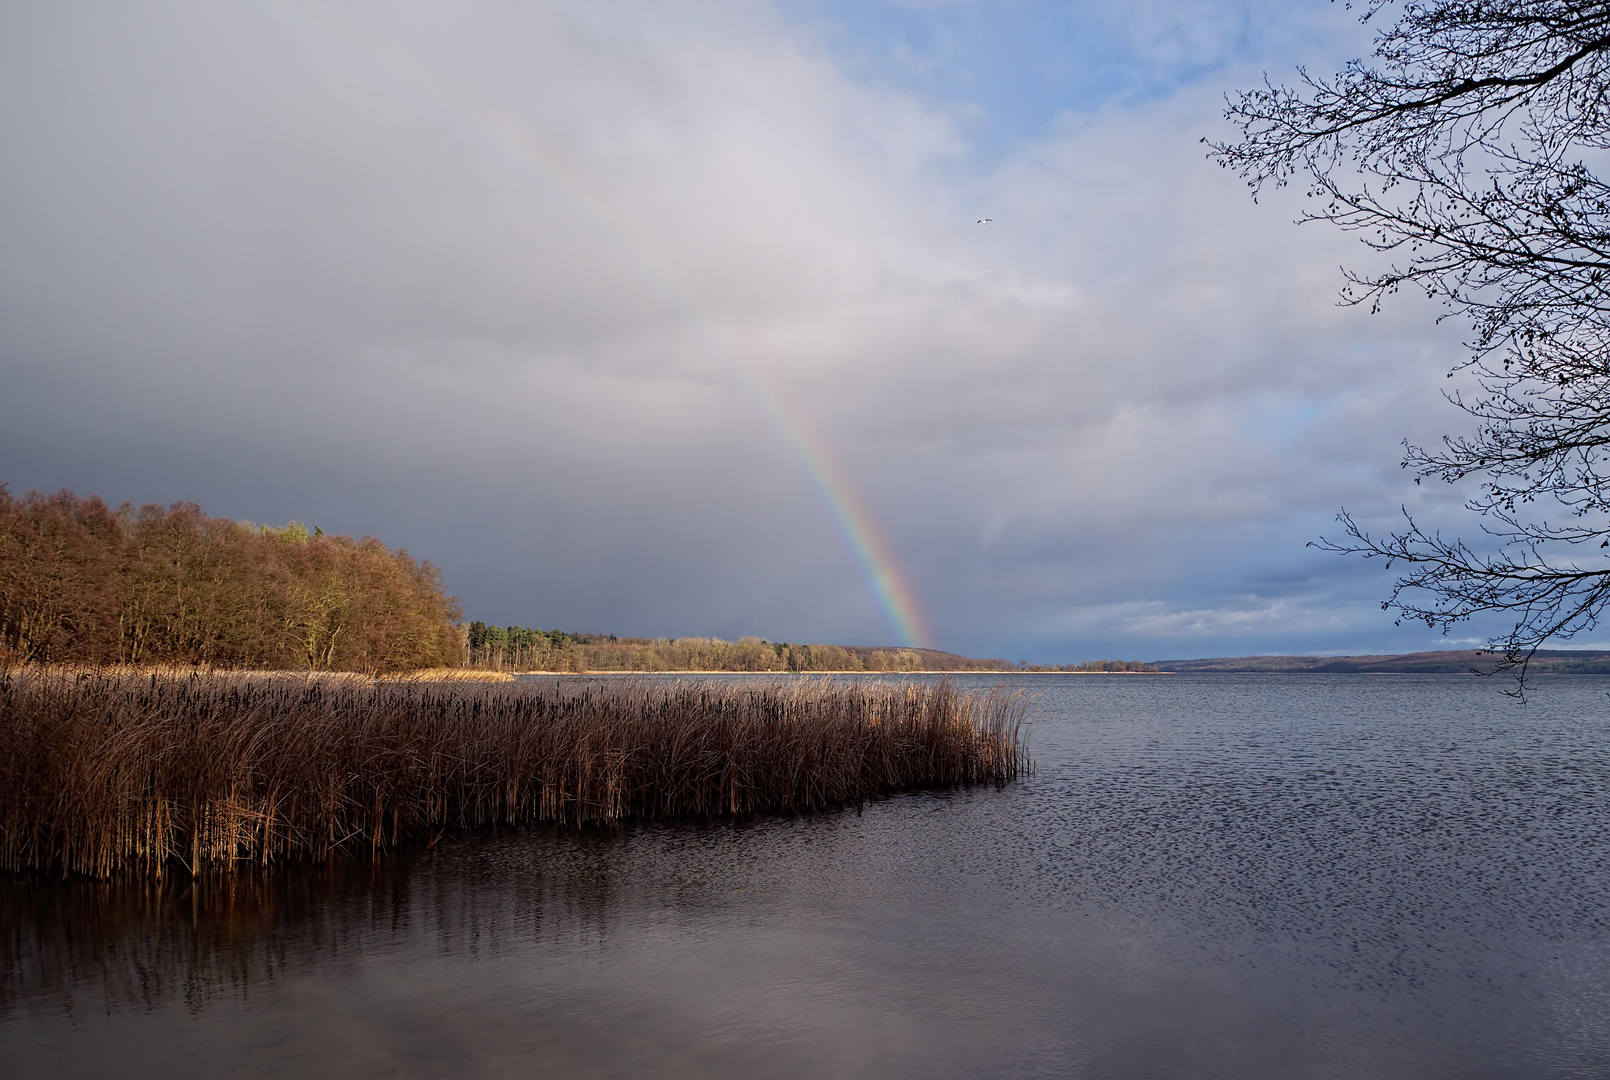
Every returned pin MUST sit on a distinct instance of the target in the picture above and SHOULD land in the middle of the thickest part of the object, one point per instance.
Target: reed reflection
(146, 943)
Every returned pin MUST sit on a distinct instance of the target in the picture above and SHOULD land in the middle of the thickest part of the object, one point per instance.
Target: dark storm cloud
(498, 283)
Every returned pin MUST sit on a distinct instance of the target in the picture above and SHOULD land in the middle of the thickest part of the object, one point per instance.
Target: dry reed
(106, 773)
(447, 674)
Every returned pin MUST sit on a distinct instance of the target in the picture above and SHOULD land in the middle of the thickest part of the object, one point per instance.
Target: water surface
(1206, 876)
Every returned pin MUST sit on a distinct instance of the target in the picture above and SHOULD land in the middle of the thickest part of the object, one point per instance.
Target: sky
(677, 319)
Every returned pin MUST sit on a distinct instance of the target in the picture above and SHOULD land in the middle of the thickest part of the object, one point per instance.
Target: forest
(83, 583)
(519, 648)
(1133, 667)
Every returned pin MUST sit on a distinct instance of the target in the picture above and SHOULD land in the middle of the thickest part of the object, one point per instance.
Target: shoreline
(844, 671)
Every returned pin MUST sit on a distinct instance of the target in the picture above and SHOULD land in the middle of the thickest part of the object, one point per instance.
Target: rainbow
(506, 137)
(854, 519)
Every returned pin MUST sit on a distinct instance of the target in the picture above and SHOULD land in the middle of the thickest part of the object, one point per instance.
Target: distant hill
(1449, 661)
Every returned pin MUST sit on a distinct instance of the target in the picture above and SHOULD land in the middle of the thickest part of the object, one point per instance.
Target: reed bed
(126, 772)
(447, 674)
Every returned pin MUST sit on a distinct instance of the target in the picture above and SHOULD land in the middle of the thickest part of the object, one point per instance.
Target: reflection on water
(1206, 876)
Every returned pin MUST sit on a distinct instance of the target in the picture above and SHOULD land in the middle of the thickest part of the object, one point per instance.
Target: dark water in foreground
(1207, 876)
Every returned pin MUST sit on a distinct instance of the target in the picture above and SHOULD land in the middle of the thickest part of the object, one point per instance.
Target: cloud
(538, 291)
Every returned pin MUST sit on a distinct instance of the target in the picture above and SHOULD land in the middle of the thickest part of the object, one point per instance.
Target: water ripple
(1206, 876)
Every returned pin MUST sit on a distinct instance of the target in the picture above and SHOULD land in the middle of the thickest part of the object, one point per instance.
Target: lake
(1235, 876)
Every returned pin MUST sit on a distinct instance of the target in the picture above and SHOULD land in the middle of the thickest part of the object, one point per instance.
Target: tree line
(81, 582)
(520, 648)
(1135, 666)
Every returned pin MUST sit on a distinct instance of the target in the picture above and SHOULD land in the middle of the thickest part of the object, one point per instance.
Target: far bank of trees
(1132, 666)
(522, 648)
(519, 648)
(81, 582)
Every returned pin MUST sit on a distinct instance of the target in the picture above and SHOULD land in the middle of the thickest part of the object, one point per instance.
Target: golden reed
(123, 771)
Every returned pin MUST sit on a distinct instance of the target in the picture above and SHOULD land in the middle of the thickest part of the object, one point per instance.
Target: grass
(106, 773)
(447, 674)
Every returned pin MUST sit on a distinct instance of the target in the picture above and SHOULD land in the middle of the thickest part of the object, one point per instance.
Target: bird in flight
(985, 220)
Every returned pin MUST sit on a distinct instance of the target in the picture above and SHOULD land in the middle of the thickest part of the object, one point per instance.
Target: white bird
(985, 220)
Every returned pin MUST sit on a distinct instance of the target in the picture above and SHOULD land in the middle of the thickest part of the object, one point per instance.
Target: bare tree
(1470, 150)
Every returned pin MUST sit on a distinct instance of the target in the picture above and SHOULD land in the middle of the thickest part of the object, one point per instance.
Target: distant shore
(845, 671)
(1440, 662)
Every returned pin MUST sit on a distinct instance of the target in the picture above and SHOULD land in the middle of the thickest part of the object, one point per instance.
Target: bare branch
(1468, 150)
